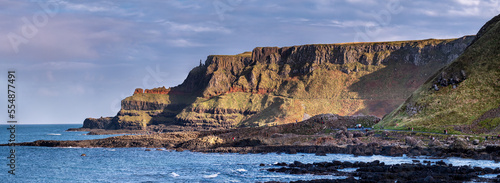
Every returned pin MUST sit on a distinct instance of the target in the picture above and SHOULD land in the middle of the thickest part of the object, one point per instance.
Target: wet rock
(379, 172)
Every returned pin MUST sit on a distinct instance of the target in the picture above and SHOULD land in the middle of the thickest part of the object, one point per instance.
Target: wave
(173, 174)
(54, 134)
(241, 170)
(211, 176)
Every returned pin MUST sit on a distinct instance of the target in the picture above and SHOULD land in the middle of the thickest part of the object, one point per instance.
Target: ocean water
(43, 164)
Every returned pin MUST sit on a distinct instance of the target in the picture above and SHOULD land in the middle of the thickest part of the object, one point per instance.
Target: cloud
(198, 27)
(457, 8)
(61, 66)
(46, 92)
(469, 2)
(77, 90)
(90, 7)
(347, 24)
(183, 43)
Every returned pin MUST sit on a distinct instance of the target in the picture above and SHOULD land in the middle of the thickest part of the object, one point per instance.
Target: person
(445, 131)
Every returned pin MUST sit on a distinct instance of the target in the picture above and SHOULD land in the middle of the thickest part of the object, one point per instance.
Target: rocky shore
(320, 135)
(376, 171)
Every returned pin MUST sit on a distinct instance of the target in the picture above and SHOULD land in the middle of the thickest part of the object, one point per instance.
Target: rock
(459, 143)
(475, 142)
(429, 179)
(147, 150)
(435, 143)
(410, 141)
(320, 154)
(435, 86)
(83, 155)
(98, 123)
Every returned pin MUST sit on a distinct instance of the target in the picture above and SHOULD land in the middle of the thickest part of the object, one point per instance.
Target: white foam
(211, 176)
(241, 170)
(54, 134)
(173, 174)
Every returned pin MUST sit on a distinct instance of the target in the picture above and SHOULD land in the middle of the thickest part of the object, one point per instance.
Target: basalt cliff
(273, 85)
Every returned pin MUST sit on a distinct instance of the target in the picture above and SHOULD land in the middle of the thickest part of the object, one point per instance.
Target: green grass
(448, 107)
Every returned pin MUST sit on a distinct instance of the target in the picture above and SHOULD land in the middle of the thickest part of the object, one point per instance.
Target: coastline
(309, 136)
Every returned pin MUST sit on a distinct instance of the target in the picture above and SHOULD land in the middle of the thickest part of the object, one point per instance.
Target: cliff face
(462, 97)
(288, 84)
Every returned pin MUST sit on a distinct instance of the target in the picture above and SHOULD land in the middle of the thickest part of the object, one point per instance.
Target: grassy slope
(457, 109)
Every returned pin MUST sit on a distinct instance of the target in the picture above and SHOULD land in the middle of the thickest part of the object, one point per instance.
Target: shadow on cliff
(384, 90)
(169, 112)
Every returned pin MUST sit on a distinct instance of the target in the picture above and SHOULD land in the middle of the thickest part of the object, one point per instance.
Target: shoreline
(279, 139)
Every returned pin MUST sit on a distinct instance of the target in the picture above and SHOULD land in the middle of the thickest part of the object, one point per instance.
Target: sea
(46, 164)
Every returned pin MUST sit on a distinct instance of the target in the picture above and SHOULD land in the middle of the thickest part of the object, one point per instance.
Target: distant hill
(272, 85)
(462, 97)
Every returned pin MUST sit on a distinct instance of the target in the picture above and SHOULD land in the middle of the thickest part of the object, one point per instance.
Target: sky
(80, 58)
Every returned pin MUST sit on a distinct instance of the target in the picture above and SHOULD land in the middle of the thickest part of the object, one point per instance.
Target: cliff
(464, 96)
(272, 85)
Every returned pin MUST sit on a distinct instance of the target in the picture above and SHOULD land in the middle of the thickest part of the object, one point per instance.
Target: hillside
(272, 85)
(463, 97)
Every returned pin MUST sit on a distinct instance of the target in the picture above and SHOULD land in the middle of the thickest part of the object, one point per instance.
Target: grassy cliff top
(244, 54)
(417, 42)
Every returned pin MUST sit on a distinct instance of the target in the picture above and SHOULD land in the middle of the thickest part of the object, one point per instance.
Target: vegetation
(457, 109)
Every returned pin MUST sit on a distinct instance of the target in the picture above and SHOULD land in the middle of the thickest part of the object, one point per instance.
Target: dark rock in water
(281, 164)
(320, 154)
(147, 150)
(262, 164)
(379, 172)
(83, 155)
(442, 163)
